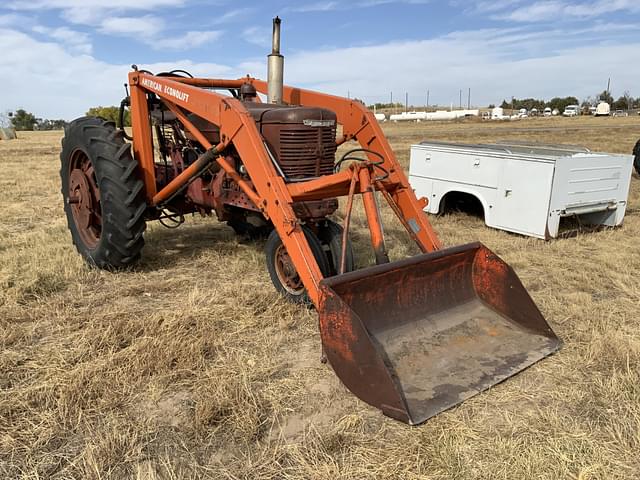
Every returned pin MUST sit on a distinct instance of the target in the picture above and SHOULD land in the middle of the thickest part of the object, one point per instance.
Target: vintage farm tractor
(412, 337)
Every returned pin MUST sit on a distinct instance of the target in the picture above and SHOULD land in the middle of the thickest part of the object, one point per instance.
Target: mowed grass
(191, 366)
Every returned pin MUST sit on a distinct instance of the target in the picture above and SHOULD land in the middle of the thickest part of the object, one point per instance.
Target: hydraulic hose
(126, 102)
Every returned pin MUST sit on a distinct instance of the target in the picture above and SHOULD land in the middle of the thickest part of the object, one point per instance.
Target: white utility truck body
(525, 189)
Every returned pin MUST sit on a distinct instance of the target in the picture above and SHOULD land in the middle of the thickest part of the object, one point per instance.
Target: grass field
(191, 366)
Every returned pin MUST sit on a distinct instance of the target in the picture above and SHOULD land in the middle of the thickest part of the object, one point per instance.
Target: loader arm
(272, 195)
(359, 124)
(238, 128)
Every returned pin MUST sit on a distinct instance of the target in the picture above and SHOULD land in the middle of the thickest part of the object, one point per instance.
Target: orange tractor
(412, 337)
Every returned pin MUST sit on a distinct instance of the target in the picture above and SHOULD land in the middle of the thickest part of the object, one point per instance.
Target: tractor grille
(307, 152)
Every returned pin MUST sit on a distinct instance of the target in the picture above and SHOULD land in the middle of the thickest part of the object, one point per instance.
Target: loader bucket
(418, 336)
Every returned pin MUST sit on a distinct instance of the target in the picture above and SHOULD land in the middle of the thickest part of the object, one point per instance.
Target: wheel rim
(84, 198)
(287, 273)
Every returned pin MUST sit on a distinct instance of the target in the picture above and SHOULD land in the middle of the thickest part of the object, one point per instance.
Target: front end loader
(412, 337)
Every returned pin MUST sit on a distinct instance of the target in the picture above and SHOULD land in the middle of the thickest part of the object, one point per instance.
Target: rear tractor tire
(103, 195)
(282, 271)
(636, 160)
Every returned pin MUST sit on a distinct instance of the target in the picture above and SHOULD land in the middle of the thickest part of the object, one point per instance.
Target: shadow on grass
(166, 247)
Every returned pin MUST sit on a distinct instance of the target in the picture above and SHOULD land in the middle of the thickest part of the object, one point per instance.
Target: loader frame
(268, 190)
(412, 337)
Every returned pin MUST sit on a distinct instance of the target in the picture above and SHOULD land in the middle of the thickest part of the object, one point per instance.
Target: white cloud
(325, 6)
(14, 20)
(375, 3)
(494, 64)
(116, 17)
(315, 7)
(561, 10)
(146, 26)
(260, 36)
(88, 12)
(49, 79)
(186, 41)
(149, 29)
(232, 15)
(74, 40)
(62, 4)
(484, 6)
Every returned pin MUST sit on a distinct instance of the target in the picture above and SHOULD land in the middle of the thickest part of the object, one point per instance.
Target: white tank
(497, 113)
(408, 116)
(603, 110)
(381, 117)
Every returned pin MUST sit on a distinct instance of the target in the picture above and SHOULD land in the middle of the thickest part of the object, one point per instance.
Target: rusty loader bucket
(421, 335)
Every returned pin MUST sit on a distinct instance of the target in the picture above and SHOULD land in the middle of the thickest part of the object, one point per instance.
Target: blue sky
(59, 57)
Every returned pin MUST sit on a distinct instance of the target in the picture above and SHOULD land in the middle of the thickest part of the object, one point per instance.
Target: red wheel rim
(84, 199)
(287, 273)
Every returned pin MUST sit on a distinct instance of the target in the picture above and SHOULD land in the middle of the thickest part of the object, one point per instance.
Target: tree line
(23, 120)
(624, 102)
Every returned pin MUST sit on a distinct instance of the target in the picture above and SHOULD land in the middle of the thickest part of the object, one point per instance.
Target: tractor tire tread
(121, 192)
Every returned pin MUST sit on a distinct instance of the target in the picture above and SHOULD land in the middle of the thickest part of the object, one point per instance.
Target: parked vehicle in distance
(523, 113)
(533, 112)
(555, 112)
(620, 113)
(498, 114)
(571, 111)
(603, 110)
(547, 112)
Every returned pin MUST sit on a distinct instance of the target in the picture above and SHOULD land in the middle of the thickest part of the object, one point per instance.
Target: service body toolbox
(524, 188)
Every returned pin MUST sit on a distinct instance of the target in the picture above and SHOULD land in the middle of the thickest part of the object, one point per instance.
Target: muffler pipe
(275, 67)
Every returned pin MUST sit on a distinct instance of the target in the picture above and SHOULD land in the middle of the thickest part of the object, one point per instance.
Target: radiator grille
(307, 151)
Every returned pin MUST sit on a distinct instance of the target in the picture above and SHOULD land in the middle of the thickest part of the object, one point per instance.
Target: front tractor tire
(636, 159)
(282, 271)
(103, 195)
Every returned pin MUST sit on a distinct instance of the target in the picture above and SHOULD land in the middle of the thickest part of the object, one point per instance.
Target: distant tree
(606, 96)
(491, 105)
(385, 105)
(561, 103)
(622, 103)
(46, 124)
(23, 120)
(110, 114)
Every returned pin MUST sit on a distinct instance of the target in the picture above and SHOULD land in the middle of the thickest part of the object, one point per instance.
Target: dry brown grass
(190, 366)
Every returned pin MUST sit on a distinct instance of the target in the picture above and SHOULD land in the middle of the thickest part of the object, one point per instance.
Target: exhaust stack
(275, 67)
